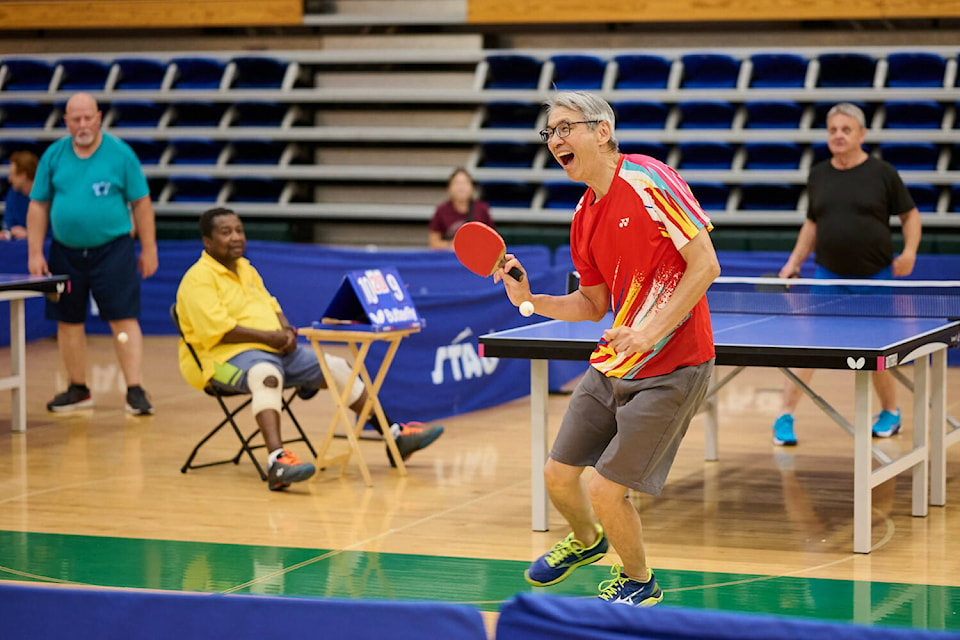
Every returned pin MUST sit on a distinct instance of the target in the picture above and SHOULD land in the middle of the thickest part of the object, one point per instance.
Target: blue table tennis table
(16, 288)
(857, 344)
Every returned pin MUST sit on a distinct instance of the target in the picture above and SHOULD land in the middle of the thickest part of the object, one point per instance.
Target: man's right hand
(37, 264)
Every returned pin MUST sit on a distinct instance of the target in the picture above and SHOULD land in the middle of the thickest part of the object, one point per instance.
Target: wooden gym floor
(96, 498)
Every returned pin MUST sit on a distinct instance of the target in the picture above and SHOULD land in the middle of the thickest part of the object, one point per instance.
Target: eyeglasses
(563, 129)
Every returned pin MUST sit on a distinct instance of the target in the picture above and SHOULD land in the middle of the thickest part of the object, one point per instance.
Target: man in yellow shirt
(245, 344)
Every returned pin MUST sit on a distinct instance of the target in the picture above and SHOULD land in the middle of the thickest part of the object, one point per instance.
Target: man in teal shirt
(86, 187)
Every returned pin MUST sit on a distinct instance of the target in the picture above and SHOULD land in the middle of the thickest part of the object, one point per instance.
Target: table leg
(921, 434)
(18, 360)
(939, 441)
(862, 464)
(373, 402)
(539, 393)
(341, 398)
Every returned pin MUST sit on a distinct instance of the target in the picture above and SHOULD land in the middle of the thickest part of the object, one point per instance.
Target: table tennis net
(805, 296)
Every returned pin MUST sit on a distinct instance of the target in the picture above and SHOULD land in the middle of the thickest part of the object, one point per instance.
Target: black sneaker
(137, 402)
(77, 396)
(305, 393)
(413, 437)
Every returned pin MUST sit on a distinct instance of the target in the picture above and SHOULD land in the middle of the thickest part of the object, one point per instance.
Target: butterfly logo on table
(856, 363)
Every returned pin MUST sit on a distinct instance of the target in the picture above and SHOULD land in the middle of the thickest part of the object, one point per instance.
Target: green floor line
(484, 583)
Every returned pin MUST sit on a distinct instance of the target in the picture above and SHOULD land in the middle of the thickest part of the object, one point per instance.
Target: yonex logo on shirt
(101, 188)
(624, 222)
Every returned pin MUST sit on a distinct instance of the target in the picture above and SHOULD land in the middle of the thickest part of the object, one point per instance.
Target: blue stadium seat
(777, 197)
(915, 69)
(954, 162)
(768, 156)
(562, 194)
(846, 70)
(925, 196)
(259, 72)
(641, 71)
(198, 73)
(712, 196)
(255, 190)
(916, 156)
(513, 71)
(140, 74)
(136, 113)
(7, 147)
(705, 155)
(259, 114)
(195, 189)
(773, 114)
(197, 114)
(913, 114)
(23, 114)
(83, 74)
(641, 115)
(778, 70)
(706, 114)
(709, 71)
(266, 152)
(156, 186)
(656, 150)
(196, 151)
(820, 110)
(955, 199)
(510, 115)
(149, 151)
(507, 193)
(577, 72)
(25, 74)
(507, 154)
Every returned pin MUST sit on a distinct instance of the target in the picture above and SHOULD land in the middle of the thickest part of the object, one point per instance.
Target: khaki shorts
(630, 430)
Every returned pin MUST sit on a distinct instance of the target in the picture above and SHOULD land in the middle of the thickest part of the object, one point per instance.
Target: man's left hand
(903, 264)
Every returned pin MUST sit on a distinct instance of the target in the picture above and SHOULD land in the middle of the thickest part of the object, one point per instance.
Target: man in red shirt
(640, 242)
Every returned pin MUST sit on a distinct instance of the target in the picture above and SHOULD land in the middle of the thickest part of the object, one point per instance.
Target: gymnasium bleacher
(372, 134)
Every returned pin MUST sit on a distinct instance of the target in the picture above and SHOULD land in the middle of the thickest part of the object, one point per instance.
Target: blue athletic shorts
(299, 368)
(109, 272)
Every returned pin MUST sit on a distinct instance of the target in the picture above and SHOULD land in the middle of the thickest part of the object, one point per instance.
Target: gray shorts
(630, 430)
(299, 368)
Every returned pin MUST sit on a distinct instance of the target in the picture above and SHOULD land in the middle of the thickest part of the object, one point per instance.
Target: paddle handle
(516, 274)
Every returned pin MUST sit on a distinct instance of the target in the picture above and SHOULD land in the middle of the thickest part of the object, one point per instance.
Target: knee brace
(266, 387)
(340, 370)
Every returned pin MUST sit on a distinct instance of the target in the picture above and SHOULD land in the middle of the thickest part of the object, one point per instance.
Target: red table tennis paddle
(481, 250)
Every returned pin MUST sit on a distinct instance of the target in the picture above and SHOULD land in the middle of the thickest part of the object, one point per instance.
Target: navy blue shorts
(109, 272)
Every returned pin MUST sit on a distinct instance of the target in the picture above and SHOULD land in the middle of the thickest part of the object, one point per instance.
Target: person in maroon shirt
(460, 208)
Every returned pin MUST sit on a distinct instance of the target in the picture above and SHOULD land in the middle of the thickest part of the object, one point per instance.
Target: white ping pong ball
(122, 337)
(526, 308)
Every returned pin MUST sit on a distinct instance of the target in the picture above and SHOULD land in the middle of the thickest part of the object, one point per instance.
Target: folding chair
(230, 418)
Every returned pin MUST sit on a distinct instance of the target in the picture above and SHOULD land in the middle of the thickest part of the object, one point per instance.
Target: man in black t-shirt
(851, 199)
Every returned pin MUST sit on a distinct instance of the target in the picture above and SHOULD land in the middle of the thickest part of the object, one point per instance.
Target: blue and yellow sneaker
(624, 590)
(783, 431)
(563, 558)
(887, 424)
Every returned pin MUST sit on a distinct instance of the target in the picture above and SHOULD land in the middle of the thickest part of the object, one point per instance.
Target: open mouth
(565, 158)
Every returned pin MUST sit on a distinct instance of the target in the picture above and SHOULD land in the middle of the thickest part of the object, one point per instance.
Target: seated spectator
(460, 208)
(23, 168)
(245, 344)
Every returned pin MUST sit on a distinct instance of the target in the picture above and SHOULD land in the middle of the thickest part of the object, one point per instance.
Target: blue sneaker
(624, 590)
(887, 424)
(783, 431)
(563, 558)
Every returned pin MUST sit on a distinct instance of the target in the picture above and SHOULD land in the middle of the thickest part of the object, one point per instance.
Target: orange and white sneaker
(288, 469)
